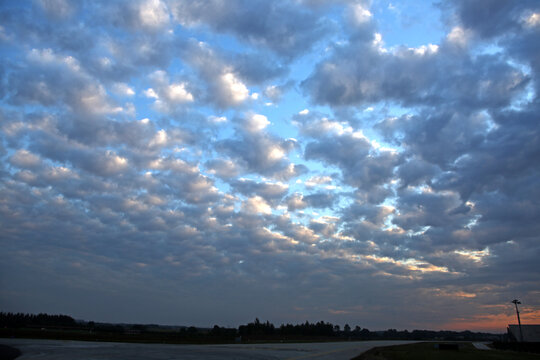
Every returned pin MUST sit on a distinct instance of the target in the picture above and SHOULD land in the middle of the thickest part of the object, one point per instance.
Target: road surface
(481, 346)
(81, 350)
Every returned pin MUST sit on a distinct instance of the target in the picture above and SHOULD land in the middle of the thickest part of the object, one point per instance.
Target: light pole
(516, 302)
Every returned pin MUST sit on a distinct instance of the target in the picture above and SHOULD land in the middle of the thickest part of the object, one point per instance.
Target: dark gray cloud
(416, 172)
(256, 69)
(496, 18)
(361, 164)
(258, 151)
(316, 200)
(226, 169)
(287, 29)
(267, 190)
(422, 76)
(320, 200)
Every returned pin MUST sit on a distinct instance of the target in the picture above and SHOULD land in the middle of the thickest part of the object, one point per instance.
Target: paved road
(67, 350)
(481, 346)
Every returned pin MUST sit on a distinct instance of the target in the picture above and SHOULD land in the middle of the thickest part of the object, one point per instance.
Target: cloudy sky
(208, 162)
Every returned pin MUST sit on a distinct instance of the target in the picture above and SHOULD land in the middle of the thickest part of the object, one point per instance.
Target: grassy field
(428, 351)
(8, 352)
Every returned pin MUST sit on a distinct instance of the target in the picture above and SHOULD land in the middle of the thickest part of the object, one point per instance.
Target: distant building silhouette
(531, 333)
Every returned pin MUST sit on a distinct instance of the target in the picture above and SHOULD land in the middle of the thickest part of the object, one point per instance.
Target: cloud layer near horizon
(188, 162)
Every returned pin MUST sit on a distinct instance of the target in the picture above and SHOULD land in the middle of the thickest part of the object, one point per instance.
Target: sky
(188, 162)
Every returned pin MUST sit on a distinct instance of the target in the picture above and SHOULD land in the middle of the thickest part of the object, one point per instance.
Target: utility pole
(516, 302)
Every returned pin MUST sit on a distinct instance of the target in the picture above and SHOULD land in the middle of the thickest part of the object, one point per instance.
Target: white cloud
(151, 93)
(324, 125)
(232, 88)
(66, 80)
(93, 99)
(429, 49)
(123, 89)
(168, 95)
(296, 202)
(533, 20)
(474, 255)
(257, 204)
(111, 163)
(379, 43)
(177, 93)
(255, 122)
(153, 14)
(318, 180)
(223, 168)
(217, 119)
(361, 14)
(48, 56)
(159, 139)
(25, 159)
(458, 36)
(275, 153)
(272, 91)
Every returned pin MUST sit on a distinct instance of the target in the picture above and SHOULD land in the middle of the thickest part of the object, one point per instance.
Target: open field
(67, 350)
(428, 351)
(8, 352)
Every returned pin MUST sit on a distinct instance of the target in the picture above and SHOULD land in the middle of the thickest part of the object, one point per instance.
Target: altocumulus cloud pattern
(201, 162)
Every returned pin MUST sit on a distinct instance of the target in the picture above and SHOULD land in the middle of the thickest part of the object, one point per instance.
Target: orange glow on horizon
(493, 322)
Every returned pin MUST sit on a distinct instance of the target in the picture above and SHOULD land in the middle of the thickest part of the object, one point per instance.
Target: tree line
(12, 320)
(20, 324)
(258, 330)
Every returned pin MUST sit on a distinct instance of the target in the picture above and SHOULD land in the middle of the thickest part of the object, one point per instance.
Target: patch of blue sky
(302, 217)
(391, 202)
(279, 117)
(9, 53)
(145, 109)
(222, 186)
(177, 68)
(421, 231)
(487, 49)
(293, 100)
(409, 23)
(521, 102)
